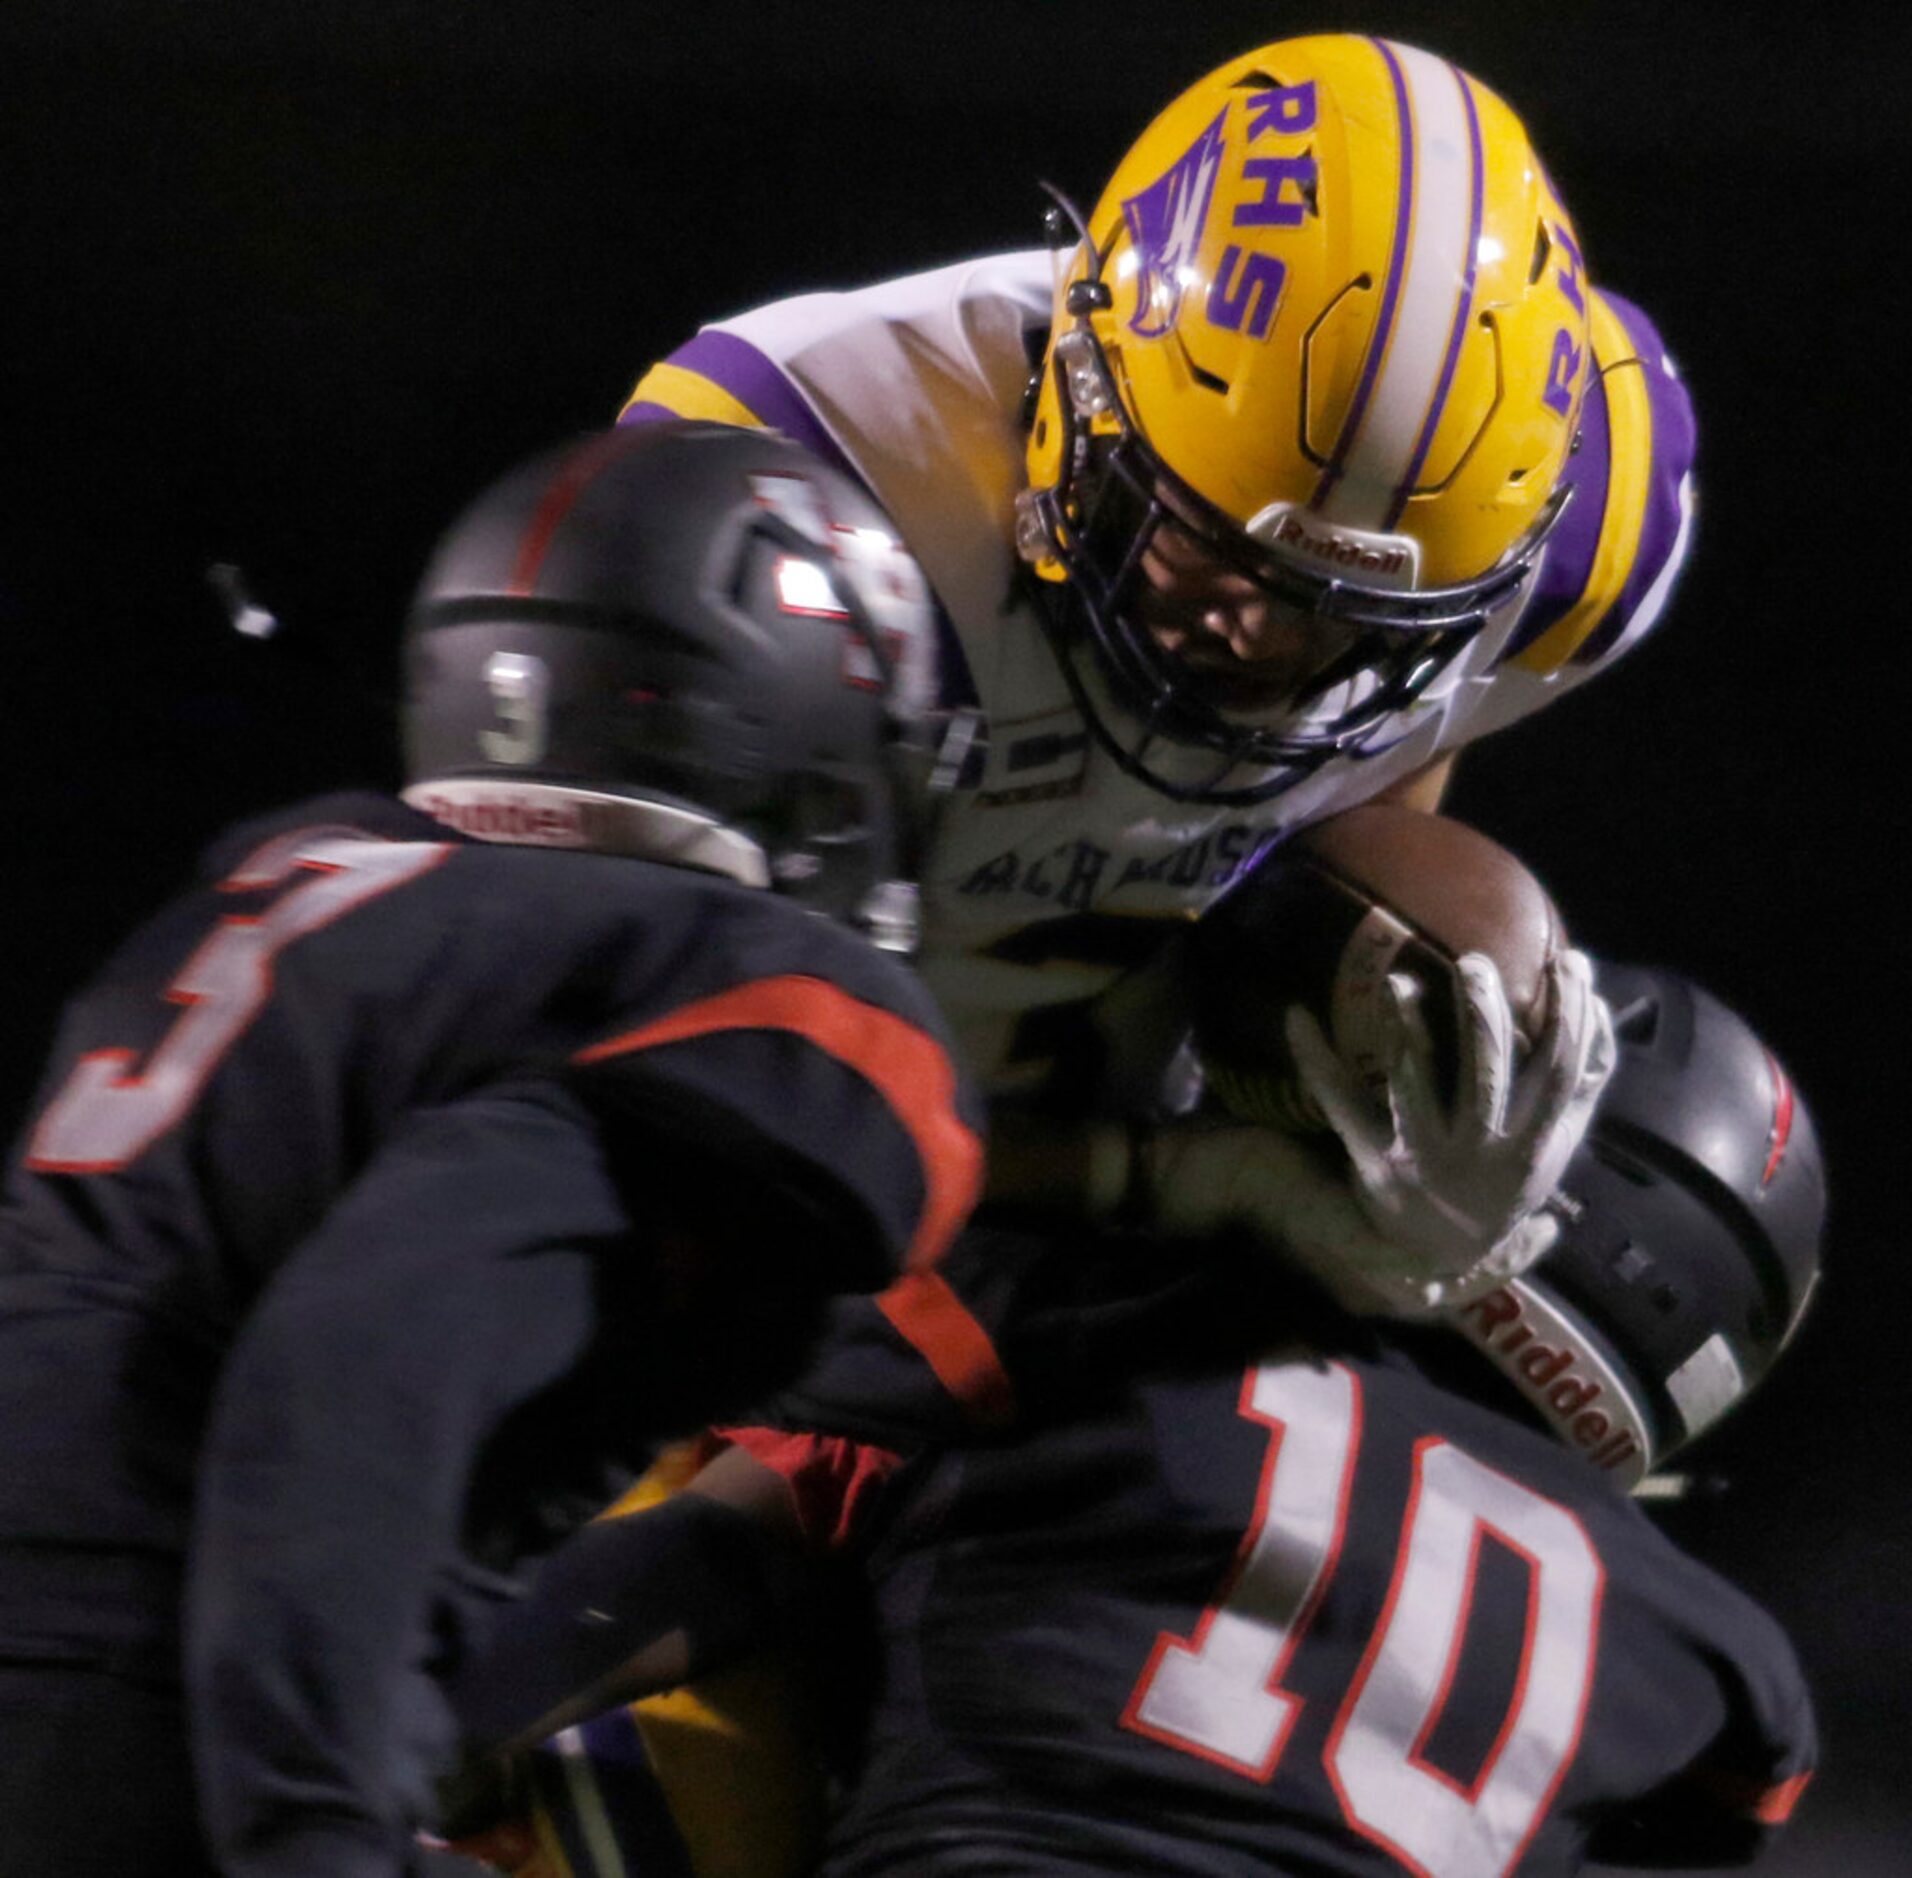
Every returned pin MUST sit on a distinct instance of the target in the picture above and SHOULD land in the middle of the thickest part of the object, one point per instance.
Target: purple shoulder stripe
(753, 378)
(647, 412)
(1674, 436)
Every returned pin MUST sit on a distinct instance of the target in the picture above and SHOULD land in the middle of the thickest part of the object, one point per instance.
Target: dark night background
(284, 284)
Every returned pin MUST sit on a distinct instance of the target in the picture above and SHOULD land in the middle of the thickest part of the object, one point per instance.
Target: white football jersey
(1055, 871)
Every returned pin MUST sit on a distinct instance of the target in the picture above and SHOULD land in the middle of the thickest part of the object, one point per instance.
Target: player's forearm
(1424, 788)
(626, 1607)
(1053, 1167)
(335, 1476)
(315, 1579)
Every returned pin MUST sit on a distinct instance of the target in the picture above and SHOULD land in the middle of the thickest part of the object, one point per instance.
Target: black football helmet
(690, 642)
(1691, 1221)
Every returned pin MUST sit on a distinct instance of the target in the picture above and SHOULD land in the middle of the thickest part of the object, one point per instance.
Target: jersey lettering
(1217, 1693)
(107, 1113)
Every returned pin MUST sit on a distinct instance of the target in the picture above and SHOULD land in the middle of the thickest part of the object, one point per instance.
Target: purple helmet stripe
(1391, 292)
(1463, 310)
(1672, 444)
(1567, 565)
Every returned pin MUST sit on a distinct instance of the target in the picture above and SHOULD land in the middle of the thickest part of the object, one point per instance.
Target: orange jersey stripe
(829, 1478)
(1770, 1804)
(905, 1065)
(936, 1322)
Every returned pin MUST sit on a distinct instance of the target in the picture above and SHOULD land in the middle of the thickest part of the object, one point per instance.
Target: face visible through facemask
(1252, 650)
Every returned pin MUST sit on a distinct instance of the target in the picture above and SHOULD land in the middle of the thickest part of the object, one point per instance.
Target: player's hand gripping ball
(1400, 981)
(1376, 892)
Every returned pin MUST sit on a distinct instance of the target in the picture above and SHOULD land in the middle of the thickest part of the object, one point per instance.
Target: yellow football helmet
(1329, 319)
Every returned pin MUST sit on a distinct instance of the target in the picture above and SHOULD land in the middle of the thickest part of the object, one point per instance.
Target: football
(1328, 916)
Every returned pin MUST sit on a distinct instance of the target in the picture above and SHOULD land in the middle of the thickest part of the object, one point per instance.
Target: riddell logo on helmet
(1378, 560)
(1343, 551)
(1576, 1391)
(546, 823)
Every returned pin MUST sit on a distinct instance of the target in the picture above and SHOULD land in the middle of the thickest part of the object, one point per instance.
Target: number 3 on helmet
(1331, 319)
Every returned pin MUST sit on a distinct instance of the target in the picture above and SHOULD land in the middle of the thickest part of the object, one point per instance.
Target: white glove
(1192, 1179)
(1460, 1191)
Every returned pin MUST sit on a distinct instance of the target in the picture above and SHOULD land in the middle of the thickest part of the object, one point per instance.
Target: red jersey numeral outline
(1216, 1693)
(106, 1113)
(1246, 1636)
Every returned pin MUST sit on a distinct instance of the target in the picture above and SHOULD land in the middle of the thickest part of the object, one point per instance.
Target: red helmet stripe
(573, 476)
(1782, 1120)
(1775, 1806)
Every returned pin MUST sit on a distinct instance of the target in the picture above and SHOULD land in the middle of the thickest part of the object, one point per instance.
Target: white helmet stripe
(1426, 300)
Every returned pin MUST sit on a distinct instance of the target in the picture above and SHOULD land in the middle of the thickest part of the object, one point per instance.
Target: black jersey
(1229, 1602)
(376, 1133)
